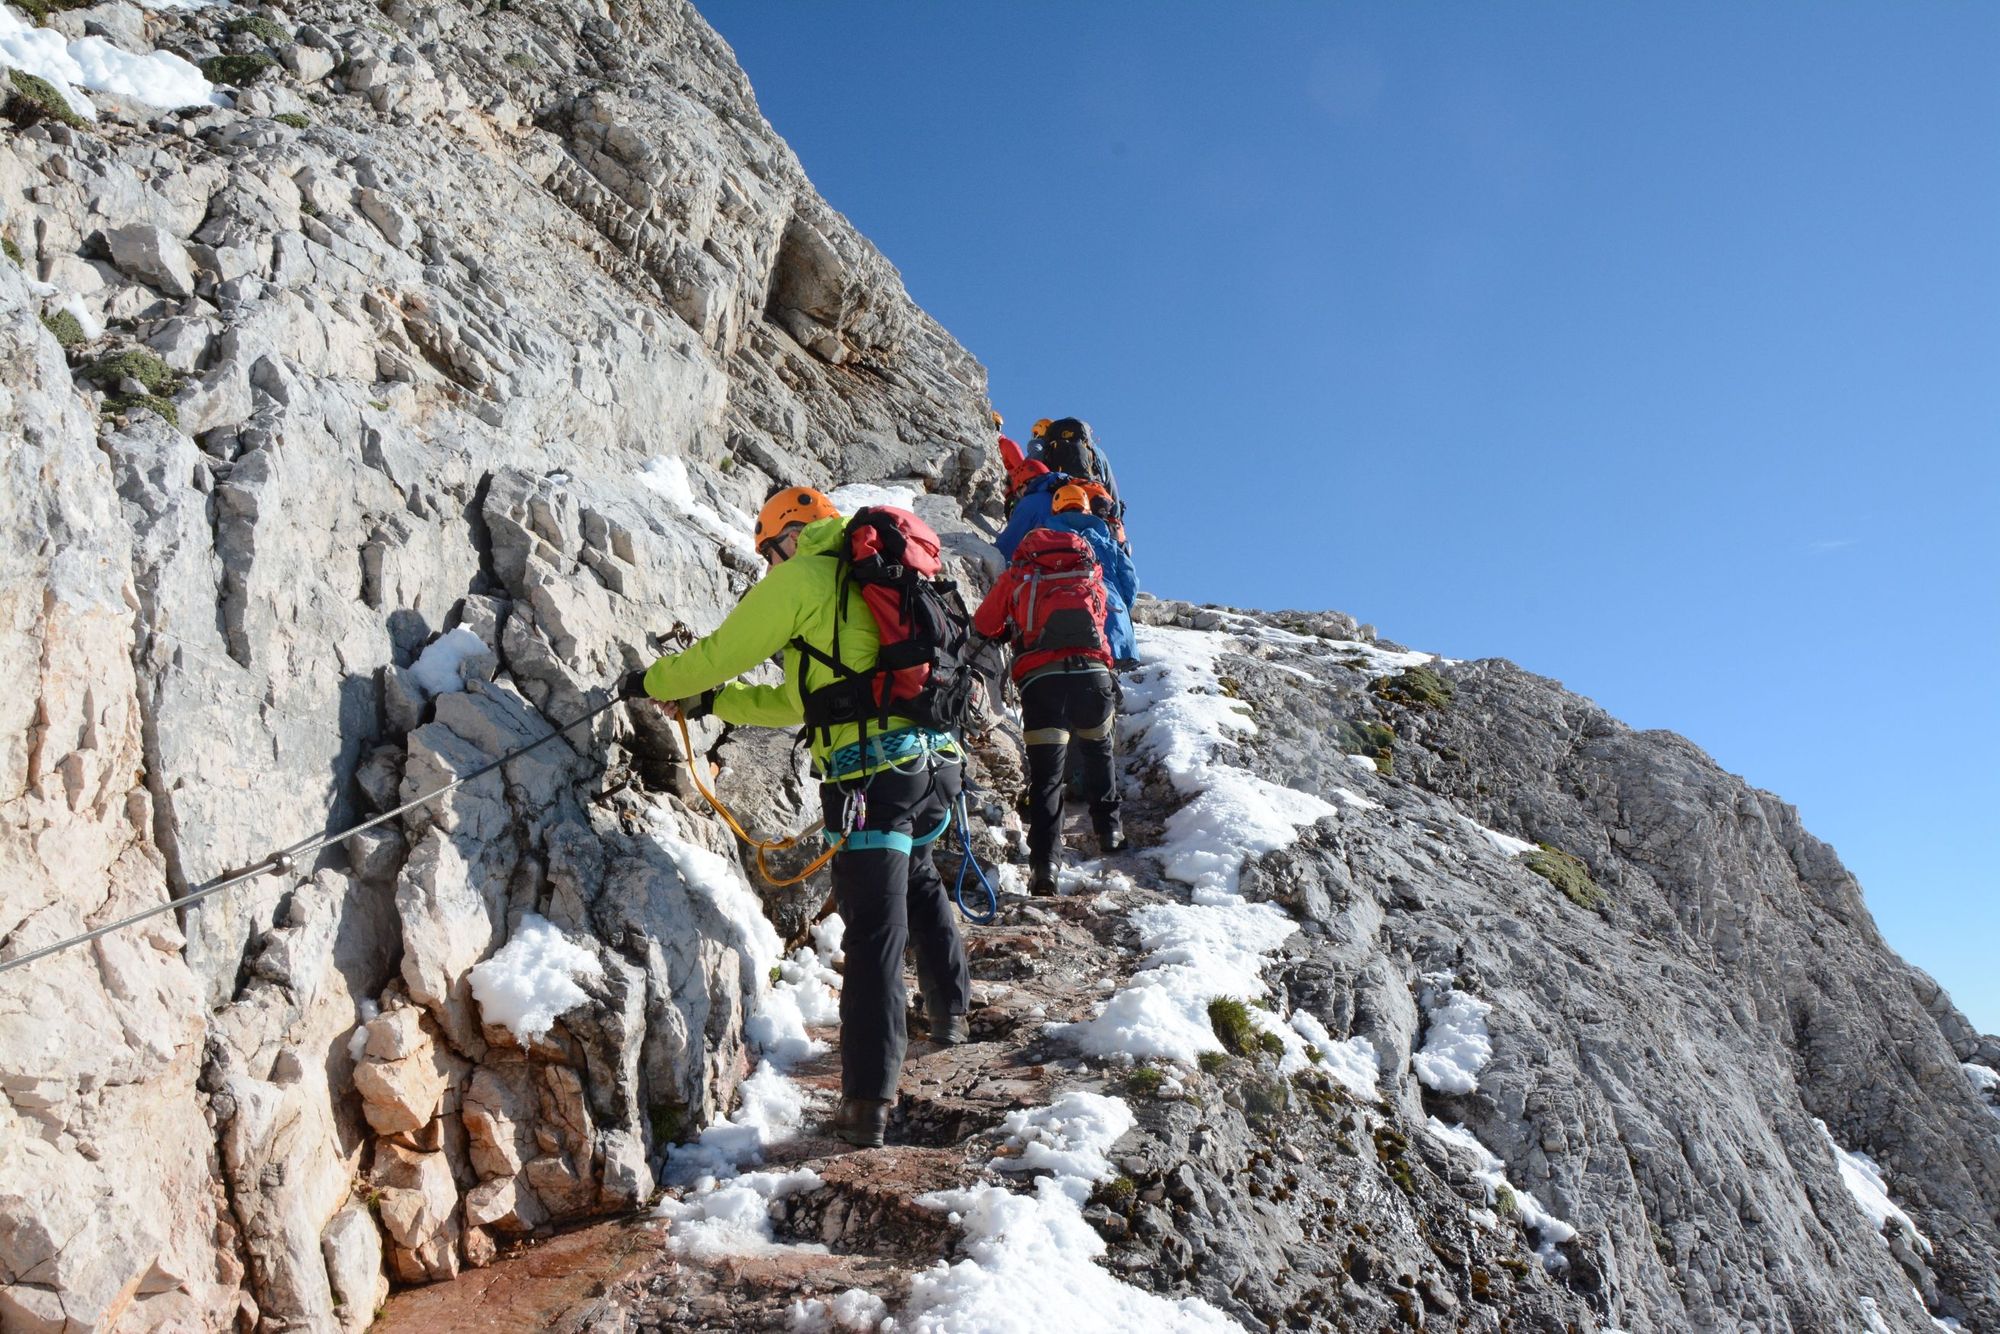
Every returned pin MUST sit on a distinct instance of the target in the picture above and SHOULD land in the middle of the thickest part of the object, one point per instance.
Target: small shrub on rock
(1566, 873)
(133, 364)
(263, 29)
(1375, 740)
(33, 99)
(237, 71)
(10, 250)
(1230, 1018)
(1145, 1081)
(39, 10)
(296, 120)
(1416, 687)
(66, 327)
(119, 405)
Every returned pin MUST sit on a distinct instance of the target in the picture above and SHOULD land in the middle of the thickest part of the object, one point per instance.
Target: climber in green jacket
(880, 798)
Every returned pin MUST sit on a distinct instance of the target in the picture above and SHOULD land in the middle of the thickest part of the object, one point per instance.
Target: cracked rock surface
(498, 322)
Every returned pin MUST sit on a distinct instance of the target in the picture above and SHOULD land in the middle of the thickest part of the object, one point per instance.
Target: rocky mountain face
(491, 327)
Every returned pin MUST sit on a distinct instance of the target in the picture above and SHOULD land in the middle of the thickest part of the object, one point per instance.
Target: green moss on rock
(66, 327)
(118, 405)
(35, 98)
(263, 29)
(297, 120)
(1375, 740)
(1567, 873)
(1417, 687)
(10, 250)
(237, 71)
(133, 364)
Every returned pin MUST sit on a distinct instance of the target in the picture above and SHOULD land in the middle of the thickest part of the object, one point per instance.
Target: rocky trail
(382, 380)
(1041, 961)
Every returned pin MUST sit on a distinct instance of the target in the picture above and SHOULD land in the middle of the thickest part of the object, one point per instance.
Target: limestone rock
(152, 255)
(352, 1247)
(527, 368)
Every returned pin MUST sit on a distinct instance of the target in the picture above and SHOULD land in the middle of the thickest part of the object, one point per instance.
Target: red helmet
(1024, 472)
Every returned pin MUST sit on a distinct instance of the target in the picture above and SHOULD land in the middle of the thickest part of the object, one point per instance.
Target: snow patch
(1864, 1181)
(860, 495)
(1456, 1043)
(87, 322)
(1176, 715)
(531, 982)
(770, 1108)
(733, 1217)
(1548, 1231)
(1071, 1137)
(440, 668)
(1351, 1061)
(357, 1041)
(1195, 953)
(1986, 1083)
(1029, 1265)
(1508, 845)
(156, 78)
(667, 477)
(851, 1310)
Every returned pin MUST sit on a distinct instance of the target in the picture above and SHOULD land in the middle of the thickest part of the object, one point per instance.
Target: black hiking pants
(1065, 714)
(888, 899)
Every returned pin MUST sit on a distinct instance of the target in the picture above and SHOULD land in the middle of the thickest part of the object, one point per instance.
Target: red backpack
(1058, 603)
(921, 670)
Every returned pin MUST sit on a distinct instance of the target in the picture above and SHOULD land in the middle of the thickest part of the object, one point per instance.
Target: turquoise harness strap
(868, 840)
(891, 750)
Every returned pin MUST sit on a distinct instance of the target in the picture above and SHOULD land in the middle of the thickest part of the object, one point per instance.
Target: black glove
(633, 685)
(696, 707)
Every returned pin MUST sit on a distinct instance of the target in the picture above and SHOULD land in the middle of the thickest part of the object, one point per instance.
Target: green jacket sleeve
(762, 623)
(761, 706)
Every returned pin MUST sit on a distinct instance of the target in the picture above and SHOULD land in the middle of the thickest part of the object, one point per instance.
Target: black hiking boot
(1110, 836)
(1042, 876)
(862, 1122)
(950, 1030)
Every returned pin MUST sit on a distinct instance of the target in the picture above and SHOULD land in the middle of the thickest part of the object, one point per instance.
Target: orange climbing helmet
(793, 504)
(1071, 497)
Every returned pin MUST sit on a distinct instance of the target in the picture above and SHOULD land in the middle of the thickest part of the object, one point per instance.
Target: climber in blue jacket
(1070, 512)
(1034, 504)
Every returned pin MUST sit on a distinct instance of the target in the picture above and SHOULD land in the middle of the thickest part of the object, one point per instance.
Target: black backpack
(923, 670)
(1068, 448)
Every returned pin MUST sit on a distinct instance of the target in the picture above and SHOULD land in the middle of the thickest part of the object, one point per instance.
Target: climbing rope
(967, 859)
(762, 846)
(285, 861)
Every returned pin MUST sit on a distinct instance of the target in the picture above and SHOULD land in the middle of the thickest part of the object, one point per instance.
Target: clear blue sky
(1654, 347)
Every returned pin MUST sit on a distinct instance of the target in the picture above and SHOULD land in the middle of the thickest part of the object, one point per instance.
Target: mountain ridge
(499, 322)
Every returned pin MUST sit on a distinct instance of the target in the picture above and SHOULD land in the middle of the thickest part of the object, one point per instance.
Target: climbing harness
(857, 837)
(286, 860)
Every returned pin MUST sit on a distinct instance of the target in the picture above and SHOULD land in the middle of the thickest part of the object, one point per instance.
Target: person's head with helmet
(786, 511)
(1022, 473)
